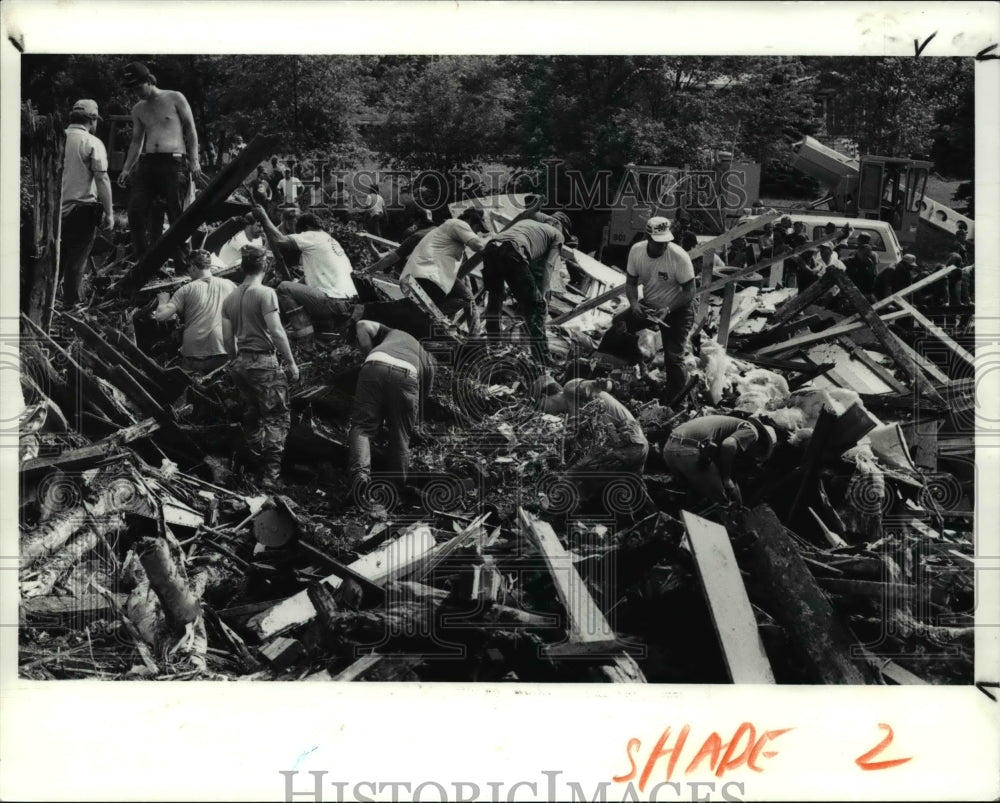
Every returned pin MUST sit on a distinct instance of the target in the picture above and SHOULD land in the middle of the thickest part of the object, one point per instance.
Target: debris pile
(147, 552)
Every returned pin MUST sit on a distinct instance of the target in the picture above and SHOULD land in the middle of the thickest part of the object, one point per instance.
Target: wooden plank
(906, 291)
(586, 621)
(46, 143)
(87, 387)
(826, 334)
(874, 365)
(760, 266)
(936, 330)
(920, 360)
(92, 451)
(800, 301)
(737, 231)
(587, 624)
(892, 671)
(705, 280)
(726, 315)
(775, 333)
(228, 179)
(735, 624)
(388, 562)
(883, 335)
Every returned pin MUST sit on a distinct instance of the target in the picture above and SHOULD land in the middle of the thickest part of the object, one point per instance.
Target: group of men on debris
(247, 326)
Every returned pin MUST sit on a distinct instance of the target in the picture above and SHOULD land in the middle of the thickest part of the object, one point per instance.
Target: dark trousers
(263, 388)
(79, 230)
(314, 302)
(384, 393)
(504, 264)
(684, 462)
(157, 176)
(622, 341)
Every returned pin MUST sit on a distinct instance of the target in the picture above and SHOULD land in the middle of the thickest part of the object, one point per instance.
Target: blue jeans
(384, 392)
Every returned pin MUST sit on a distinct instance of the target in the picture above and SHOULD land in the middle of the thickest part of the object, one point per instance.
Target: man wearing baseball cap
(86, 198)
(665, 272)
(894, 279)
(162, 157)
(702, 451)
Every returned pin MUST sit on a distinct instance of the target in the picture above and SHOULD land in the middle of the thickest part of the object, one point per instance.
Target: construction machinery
(878, 188)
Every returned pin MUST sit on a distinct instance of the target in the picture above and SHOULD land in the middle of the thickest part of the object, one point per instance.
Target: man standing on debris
(434, 263)
(704, 450)
(522, 257)
(162, 157)
(419, 224)
(253, 337)
(328, 289)
(665, 272)
(86, 198)
(396, 376)
(199, 304)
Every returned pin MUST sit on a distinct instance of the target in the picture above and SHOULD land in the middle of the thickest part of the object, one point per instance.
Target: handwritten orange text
(745, 748)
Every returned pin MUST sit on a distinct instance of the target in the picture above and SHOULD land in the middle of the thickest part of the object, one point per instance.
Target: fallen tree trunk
(780, 583)
(180, 605)
(40, 581)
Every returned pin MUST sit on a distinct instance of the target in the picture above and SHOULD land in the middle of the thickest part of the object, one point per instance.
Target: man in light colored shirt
(199, 304)
(231, 253)
(434, 263)
(254, 338)
(664, 271)
(328, 291)
(290, 188)
(86, 198)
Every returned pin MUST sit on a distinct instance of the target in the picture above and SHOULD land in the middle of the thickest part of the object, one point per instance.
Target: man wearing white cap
(86, 198)
(703, 451)
(666, 274)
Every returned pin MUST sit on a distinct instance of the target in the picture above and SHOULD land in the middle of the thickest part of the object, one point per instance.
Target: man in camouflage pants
(254, 337)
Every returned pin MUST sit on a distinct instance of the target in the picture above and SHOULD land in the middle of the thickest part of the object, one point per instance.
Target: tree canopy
(596, 113)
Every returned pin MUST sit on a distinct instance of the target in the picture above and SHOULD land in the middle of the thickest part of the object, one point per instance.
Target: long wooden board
(935, 330)
(728, 602)
(826, 334)
(386, 563)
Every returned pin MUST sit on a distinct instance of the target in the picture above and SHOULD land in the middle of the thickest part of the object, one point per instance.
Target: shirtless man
(162, 158)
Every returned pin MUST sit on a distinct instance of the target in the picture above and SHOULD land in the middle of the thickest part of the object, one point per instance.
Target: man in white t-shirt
(665, 272)
(231, 253)
(328, 291)
(435, 261)
(290, 188)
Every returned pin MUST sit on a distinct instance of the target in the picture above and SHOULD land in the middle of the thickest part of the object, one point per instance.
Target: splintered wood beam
(707, 261)
(586, 621)
(780, 583)
(935, 330)
(760, 266)
(588, 630)
(100, 448)
(393, 559)
(726, 315)
(920, 360)
(800, 301)
(229, 179)
(745, 227)
(883, 335)
(909, 290)
(735, 624)
(826, 334)
(883, 373)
